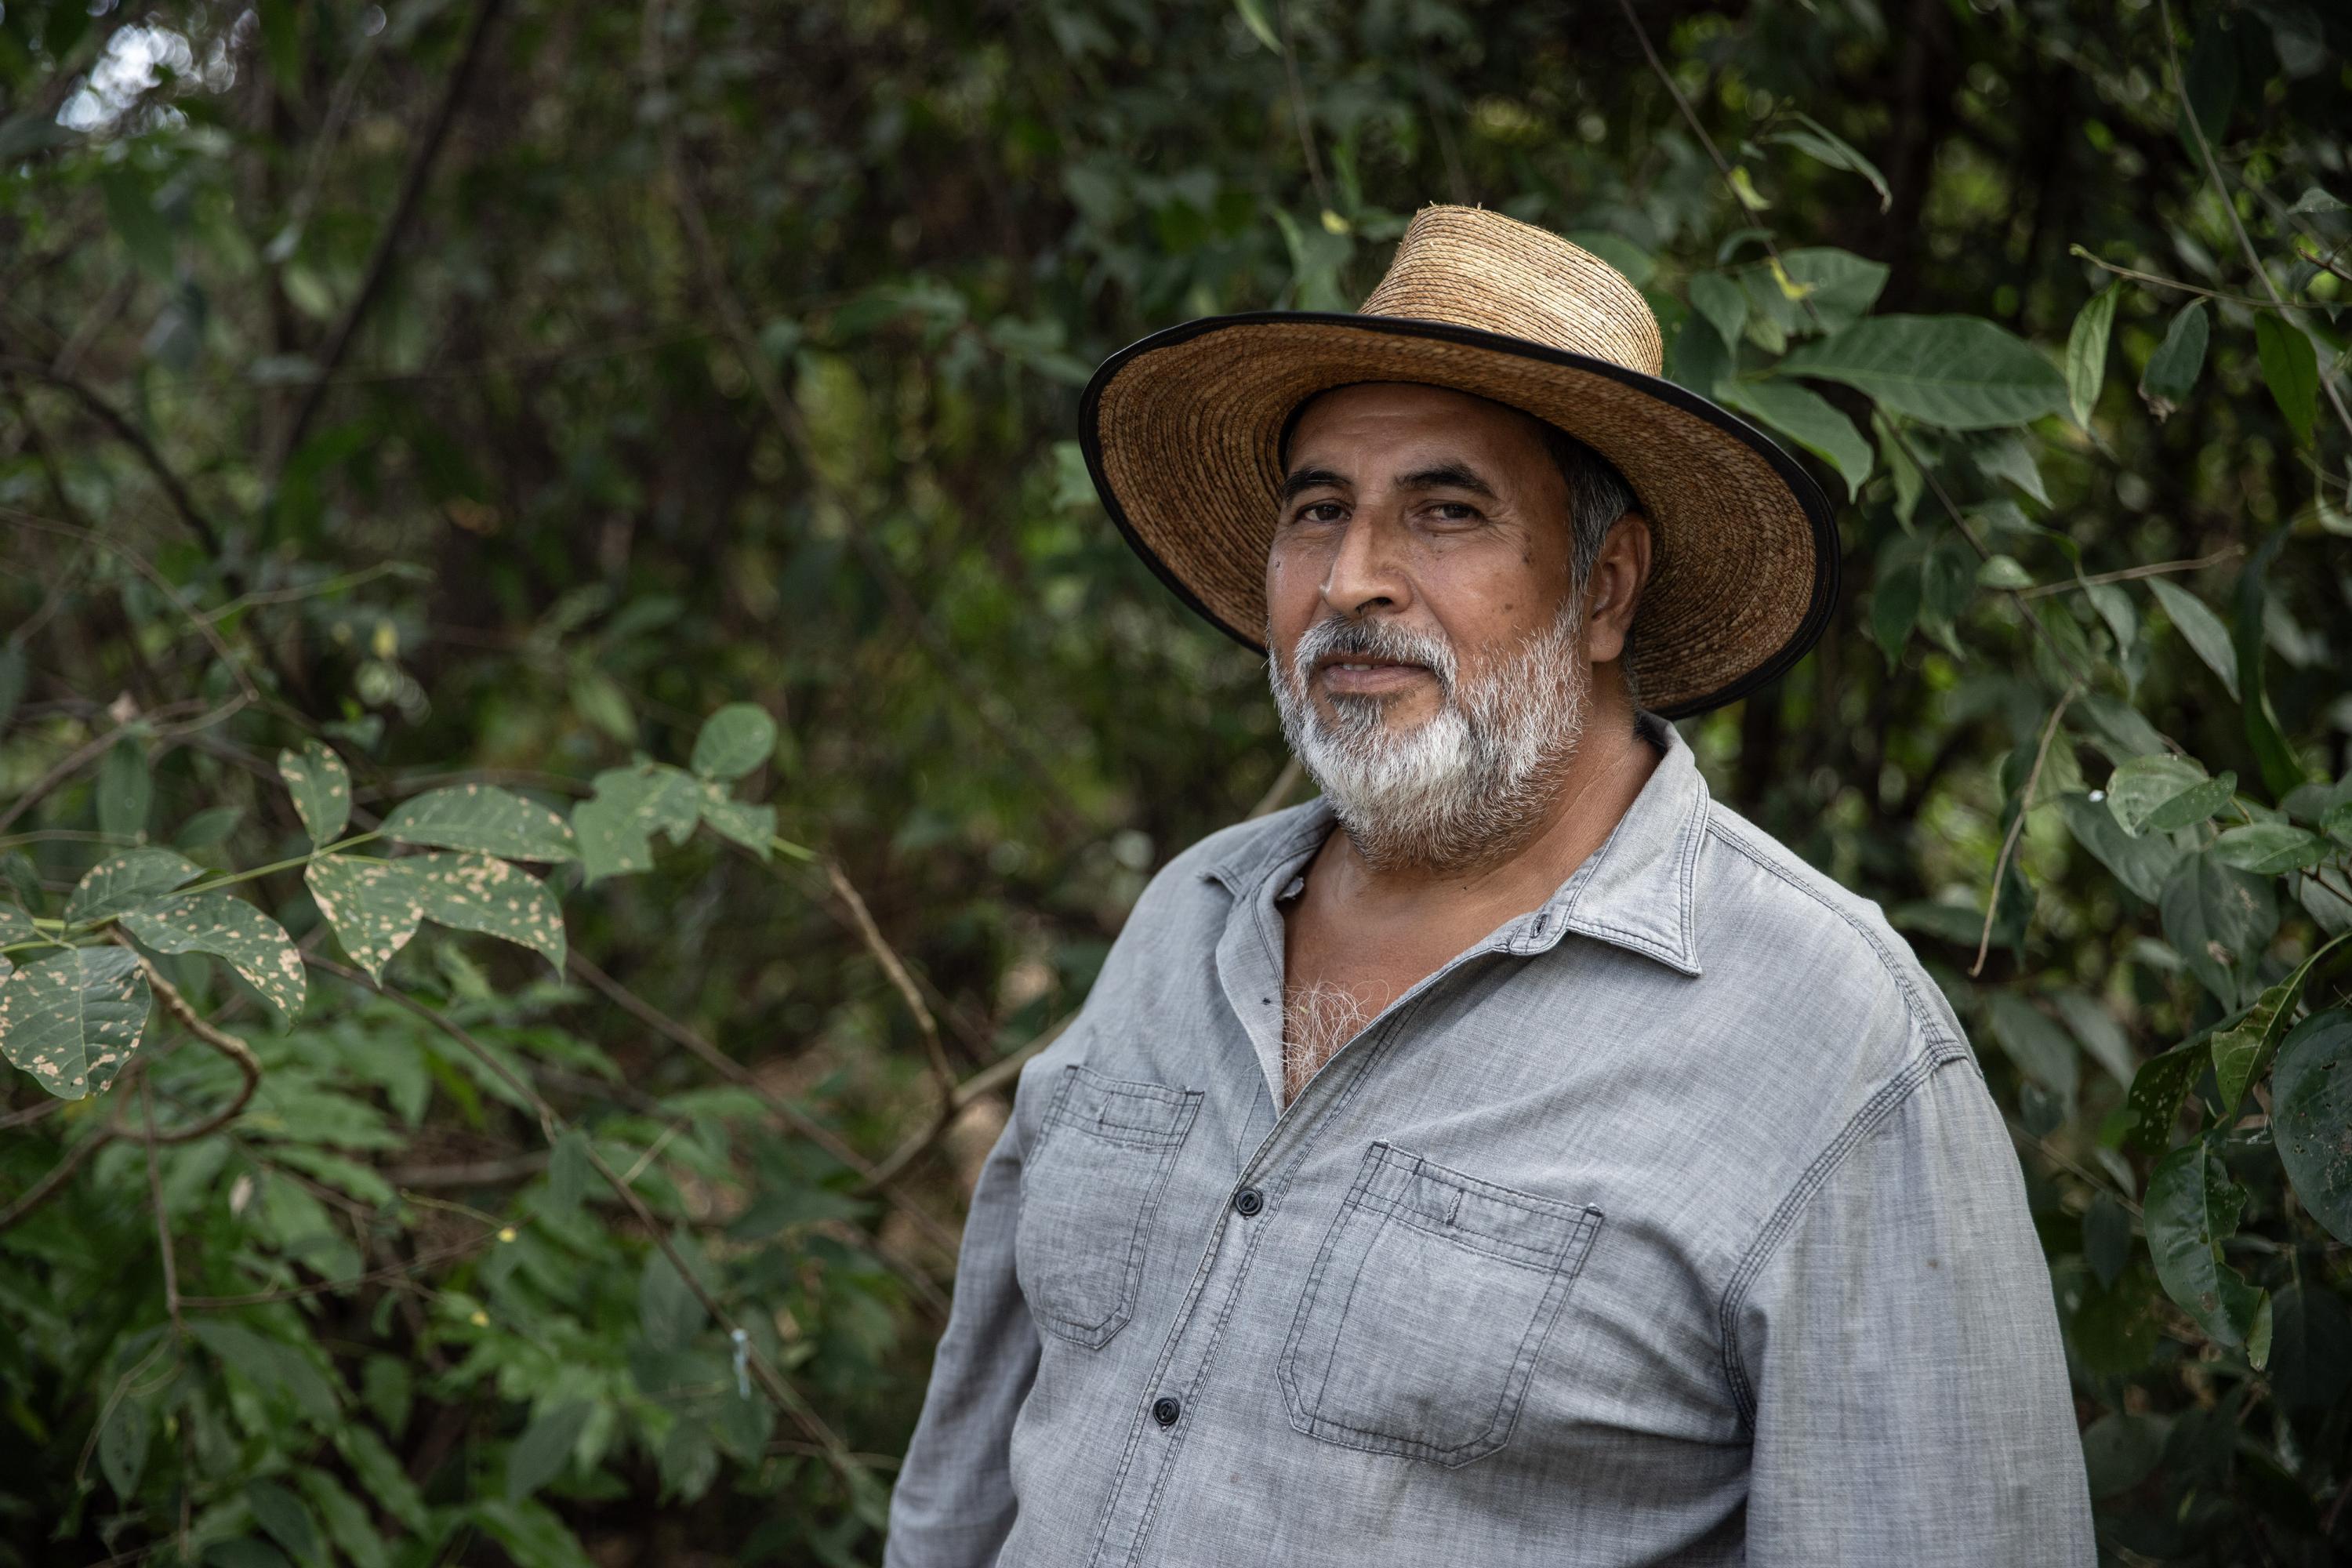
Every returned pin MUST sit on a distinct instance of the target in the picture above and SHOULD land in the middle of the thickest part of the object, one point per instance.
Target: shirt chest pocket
(1089, 1193)
(1421, 1322)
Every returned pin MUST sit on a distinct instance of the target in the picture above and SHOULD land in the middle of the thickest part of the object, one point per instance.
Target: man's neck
(1595, 785)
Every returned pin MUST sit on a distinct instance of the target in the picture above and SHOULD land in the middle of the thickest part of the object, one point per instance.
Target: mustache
(1341, 638)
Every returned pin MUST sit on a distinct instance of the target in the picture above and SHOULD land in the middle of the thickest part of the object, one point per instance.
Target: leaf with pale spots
(73, 1019)
(321, 789)
(233, 931)
(15, 925)
(615, 828)
(372, 904)
(484, 819)
(375, 905)
(752, 826)
(474, 892)
(128, 880)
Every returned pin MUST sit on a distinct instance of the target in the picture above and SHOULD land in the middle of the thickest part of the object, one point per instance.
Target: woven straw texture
(1183, 430)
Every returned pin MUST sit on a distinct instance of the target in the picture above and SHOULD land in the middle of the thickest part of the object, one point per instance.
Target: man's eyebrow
(1446, 477)
(1303, 479)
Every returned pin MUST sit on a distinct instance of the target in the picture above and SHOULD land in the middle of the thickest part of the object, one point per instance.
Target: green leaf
(321, 788)
(1807, 419)
(2270, 847)
(1895, 600)
(125, 788)
(375, 905)
(381, 1475)
(2202, 628)
(615, 828)
(2311, 1115)
(531, 1534)
(1840, 286)
(2173, 368)
(372, 904)
(485, 819)
(73, 1019)
(349, 1524)
(752, 826)
(2041, 1050)
(126, 881)
(2162, 1082)
(1721, 303)
(275, 1367)
(599, 700)
(2138, 788)
(1818, 140)
(667, 1309)
(2290, 369)
(2218, 919)
(1253, 15)
(207, 827)
(2282, 770)
(2086, 352)
(544, 1448)
(2190, 1208)
(2141, 863)
(16, 926)
(122, 1444)
(286, 1516)
(734, 740)
(228, 928)
(568, 1170)
(2241, 1051)
(1962, 372)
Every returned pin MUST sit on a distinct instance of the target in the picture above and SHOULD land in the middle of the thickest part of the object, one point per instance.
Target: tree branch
(136, 439)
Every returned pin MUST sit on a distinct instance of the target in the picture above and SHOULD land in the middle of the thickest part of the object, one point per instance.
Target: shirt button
(1248, 1202)
(1165, 1410)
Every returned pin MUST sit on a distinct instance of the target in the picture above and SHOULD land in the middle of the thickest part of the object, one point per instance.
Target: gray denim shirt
(1671, 1223)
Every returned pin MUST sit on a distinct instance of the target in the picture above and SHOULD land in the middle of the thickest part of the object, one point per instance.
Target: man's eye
(1321, 511)
(1454, 512)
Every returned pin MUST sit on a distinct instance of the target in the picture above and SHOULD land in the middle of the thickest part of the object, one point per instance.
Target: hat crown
(1472, 268)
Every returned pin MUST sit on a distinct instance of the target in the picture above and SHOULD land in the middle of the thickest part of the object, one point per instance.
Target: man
(1511, 1157)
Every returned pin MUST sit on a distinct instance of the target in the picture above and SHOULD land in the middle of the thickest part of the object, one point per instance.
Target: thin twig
(2160, 281)
(56, 1176)
(388, 242)
(1942, 496)
(1298, 111)
(163, 1223)
(240, 1054)
(145, 568)
(2017, 826)
(2228, 203)
(2156, 569)
(887, 957)
(136, 439)
(781, 1392)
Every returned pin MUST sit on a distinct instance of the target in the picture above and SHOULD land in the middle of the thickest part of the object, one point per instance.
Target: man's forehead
(1403, 426)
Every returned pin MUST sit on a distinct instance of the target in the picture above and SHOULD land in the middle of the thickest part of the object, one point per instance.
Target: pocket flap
(1519, 1227)
(1122, 1111)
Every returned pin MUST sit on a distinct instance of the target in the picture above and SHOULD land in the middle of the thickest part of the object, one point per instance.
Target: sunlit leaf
(2087, 351)
(375, 905)
(73, 1019)
(2141, 787)
(615, 827)
(1819, 141)
(1807, 419)
(2241, 1051)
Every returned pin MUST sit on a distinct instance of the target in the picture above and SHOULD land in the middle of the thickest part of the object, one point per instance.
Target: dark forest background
(653, 425)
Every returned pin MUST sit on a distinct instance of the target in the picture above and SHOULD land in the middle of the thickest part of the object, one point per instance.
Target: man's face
(1425, 636)
(1430, 512)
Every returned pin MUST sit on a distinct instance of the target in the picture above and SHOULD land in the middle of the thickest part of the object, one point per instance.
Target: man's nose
(1366, 572)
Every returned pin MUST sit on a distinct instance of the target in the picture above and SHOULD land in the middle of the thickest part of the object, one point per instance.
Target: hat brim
(1180, 432)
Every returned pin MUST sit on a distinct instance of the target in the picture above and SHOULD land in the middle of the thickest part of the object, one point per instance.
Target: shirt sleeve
(953, 1505)
(1900, 1347)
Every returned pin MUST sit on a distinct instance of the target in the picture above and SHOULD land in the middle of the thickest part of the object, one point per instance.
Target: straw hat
(1181, 432)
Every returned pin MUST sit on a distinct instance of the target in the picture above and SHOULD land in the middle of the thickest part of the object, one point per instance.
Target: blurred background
(491, 390)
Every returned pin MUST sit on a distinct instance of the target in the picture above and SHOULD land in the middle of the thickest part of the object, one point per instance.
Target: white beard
(1465, 787)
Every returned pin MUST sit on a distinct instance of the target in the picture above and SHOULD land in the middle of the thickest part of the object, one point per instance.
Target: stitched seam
(1110, 1322)
(1874, 1112)
(1469, 1241)
(1921, 1015)
(1511, 1197)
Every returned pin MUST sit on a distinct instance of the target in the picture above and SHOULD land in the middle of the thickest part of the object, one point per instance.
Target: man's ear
(1613, 589)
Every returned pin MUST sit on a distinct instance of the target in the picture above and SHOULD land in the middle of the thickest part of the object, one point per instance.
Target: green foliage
(418, 525)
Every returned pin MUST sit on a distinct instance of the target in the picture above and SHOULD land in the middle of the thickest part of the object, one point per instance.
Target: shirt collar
(1633, 892)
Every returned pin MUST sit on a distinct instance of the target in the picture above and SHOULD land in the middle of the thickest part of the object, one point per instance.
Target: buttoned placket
(1250, 967)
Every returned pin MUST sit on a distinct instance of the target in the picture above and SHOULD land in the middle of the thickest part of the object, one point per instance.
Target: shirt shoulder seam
(1874, 1114)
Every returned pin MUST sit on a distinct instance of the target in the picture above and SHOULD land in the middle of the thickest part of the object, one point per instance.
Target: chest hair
(1317, 1020)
